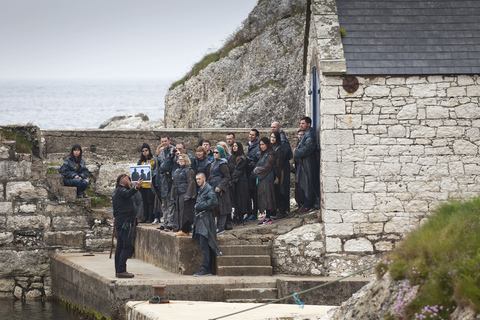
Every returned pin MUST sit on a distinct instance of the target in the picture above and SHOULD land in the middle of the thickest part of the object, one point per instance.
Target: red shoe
(305, 210)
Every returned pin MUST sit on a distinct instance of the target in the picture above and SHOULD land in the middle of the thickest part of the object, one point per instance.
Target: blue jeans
(124, 249)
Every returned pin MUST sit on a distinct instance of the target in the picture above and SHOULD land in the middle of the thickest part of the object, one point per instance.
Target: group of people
(210, 192)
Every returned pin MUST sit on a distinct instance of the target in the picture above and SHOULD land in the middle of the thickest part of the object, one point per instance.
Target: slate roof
(401, 37)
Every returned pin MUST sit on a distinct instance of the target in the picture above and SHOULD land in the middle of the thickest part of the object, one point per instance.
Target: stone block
(468, 111)
(375, 187)
(377, 91)
(416, 80)
(24, 263)
(350, 185)
(353, 154)
(64, 238)
(330, 184)
(358, 245)
(464, 80)
(377, 129)
(4, 153)
(400, 92)
(97, 244)
(333, 244)
(456, 92)
(423, 90)
(6, 239)
(28, 222)
(384, 245)
(362, 107)
(422, 132)
(397, 150)
(362, 169)
(377, 217)
(335, 201)
(338, 229)
(396, 81)
(366, 139)
(69, 222)
(338, 169)
(354, 217)
(363, 201)
(6, 208)
(331, 216)
(450, 132)
(398, 225)
(24, 190)
(14, 170)
(25, 208)
(437, 112)
(7, 285)
(370, 228)
(334, 107)
(397, 131)
(330, 92)
(338, 137)
(473, 91)
(465, 147)
(388, 169)
(60, 209)
(349, 122)
(407, 112)
(389, 204)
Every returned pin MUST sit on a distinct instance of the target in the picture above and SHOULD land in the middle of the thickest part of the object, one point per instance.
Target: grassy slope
(441, 260)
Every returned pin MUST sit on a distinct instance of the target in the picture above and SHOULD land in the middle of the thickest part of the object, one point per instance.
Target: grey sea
(78, 104)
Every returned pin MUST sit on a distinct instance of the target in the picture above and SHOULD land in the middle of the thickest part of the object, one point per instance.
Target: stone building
(395, 103)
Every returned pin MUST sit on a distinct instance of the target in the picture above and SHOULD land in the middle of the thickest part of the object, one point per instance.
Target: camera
(174, 150)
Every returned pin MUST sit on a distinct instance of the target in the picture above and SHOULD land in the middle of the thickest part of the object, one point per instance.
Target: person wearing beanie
(147, 158)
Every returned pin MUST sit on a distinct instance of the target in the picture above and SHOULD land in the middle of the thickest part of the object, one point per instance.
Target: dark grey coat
(204, 222)
(287, 155)
(307, 171)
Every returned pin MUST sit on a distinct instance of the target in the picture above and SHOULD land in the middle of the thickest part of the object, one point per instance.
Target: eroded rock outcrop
(137, 121)
(256, 83)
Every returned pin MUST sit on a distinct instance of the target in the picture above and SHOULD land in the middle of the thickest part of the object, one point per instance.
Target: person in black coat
(75, 172)
(124, 222)
(240, 183)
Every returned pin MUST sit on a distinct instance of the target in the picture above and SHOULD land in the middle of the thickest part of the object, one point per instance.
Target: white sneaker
(156, 221)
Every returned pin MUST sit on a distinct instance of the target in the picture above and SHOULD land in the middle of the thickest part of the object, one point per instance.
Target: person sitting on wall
(124, 222)
(75, 172)
(204, 224)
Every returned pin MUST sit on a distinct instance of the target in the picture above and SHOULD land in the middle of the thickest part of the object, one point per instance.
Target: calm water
(78, 104)
(34, 310)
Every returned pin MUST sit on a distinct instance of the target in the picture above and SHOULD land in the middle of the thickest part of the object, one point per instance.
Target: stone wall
(391, 151)
(35, 222)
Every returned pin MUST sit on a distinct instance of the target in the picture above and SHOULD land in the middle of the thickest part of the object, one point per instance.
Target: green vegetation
(440, 263)
(235, 40)
(343, 33)
(252, 89)
(23, 145)
(98, 200)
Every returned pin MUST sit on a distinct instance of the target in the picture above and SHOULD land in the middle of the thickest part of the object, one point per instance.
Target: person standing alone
(124, 223)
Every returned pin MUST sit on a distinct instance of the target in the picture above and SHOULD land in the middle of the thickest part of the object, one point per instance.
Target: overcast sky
(112, 39)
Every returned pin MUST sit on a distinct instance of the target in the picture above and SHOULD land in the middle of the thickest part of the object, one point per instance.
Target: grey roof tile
(411, 37)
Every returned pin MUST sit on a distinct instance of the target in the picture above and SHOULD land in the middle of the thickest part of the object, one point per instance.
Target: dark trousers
(148, 201)
(208, 254)
(81, 184)
(124, 249)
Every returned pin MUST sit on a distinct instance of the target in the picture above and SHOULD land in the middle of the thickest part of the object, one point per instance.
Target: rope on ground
(133, 307)
(295, 295)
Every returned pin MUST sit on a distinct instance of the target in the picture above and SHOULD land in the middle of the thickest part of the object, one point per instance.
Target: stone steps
(63, 193)
(244, 260)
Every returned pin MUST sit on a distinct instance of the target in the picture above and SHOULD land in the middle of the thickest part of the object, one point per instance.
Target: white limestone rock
(24, 190)
(137, 121)
(107, 176)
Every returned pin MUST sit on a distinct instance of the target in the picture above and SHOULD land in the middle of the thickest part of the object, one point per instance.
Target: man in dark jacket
(163, 180)
(284, 206)
(307, 170)
(204, 225)
(253, 154)
(124, 223)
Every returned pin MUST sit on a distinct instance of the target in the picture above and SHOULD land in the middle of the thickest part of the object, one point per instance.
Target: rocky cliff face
(256, 83)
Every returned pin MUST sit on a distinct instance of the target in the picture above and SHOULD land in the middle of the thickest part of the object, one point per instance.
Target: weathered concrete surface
(166, 250)
(89, 282)
(209, 310)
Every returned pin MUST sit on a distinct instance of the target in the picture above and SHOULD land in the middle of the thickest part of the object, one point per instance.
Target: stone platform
(88, 282)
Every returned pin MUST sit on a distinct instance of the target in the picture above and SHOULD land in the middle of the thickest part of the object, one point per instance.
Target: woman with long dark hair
(264, 171)
(75, 172)
(147, 158)
(280, 199)
(240, 192)
(184, 192)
